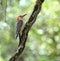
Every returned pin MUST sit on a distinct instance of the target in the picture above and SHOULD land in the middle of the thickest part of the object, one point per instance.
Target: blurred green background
(43, 43)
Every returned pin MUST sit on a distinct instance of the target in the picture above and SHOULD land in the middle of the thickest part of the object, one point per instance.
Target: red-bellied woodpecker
(19, 25)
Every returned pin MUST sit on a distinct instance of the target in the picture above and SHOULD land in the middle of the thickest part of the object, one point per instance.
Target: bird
(19, 25)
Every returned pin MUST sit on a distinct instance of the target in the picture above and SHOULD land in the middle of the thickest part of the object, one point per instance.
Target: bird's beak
(24, 15)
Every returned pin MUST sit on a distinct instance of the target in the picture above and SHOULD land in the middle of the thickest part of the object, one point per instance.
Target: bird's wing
(19, 26)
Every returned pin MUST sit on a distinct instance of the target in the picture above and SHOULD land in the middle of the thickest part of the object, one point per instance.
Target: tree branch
(23, 38)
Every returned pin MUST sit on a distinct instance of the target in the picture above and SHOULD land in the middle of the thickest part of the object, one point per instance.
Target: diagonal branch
(23, 38)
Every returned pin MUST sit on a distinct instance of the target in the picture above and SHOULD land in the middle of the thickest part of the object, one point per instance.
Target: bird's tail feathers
(17, 35)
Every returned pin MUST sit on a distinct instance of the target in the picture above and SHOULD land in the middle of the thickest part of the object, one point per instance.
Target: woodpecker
(19, 25)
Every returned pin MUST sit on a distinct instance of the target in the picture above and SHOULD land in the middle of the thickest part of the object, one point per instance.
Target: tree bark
(28, 25)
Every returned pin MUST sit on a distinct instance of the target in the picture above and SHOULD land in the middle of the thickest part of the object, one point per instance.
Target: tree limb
(23, 38)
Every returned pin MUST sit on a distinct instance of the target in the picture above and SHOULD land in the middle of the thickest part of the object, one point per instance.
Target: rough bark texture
(23, 38)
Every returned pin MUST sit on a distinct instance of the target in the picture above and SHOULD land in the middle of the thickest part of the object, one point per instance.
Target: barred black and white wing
(19, 27)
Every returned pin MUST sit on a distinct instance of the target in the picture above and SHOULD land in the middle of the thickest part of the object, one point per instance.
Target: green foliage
(43, 43)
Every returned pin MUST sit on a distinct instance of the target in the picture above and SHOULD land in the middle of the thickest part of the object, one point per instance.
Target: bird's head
(20, 17)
